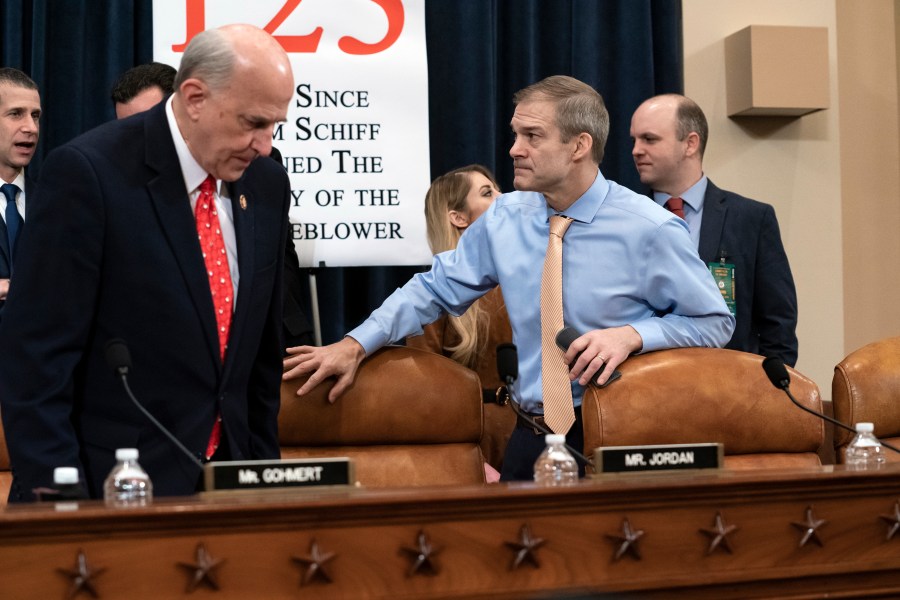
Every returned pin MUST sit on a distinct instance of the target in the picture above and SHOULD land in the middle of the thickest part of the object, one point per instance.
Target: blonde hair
(448, 192)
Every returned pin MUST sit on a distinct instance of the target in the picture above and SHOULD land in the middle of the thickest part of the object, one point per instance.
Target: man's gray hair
(579, 109)
(209, 57)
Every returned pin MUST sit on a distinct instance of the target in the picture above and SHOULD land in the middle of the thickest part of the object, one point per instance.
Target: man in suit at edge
(730, 231)
(20, 114)
(120, 258)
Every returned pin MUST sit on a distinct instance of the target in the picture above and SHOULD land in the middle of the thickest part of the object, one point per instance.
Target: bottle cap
(65, 475)
(865, 427)
(554, 438)
(126, 454)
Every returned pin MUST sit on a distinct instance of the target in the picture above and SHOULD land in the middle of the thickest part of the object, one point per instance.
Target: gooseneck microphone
(780, 378)
(508, 370)
(564, 339)
(119, 360)
(507, 363)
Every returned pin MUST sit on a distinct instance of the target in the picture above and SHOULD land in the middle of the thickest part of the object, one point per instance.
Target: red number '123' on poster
(393, 9)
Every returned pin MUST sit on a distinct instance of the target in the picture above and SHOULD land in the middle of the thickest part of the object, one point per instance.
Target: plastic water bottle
(555, 466)
(67, 489)
(865, 451)
(66, 484)
(127, 484)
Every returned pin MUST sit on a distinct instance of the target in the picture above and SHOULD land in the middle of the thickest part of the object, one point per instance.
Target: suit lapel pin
(243, 202)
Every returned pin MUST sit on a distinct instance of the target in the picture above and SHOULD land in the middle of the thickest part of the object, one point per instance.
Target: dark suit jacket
(111, 251)
(766, 300)
(5, 255)
(298, 331)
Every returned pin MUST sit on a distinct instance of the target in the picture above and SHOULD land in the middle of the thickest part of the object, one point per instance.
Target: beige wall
(870, 168)
(792, 163)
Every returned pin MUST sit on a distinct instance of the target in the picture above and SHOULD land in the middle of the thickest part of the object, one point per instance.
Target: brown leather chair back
(411, 418)
(866, 388)
(696, 395)
(5, 472)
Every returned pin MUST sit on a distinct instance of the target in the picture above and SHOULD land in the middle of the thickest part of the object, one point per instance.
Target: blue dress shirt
(626, 261)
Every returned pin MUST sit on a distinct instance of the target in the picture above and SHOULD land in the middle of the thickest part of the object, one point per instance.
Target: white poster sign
(355, 143)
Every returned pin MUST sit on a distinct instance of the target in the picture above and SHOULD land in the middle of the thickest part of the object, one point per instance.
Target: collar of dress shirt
(191, 170)
(586, 207)
(693, 196)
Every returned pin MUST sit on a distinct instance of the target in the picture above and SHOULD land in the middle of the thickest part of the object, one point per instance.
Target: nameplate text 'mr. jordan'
(624, 459)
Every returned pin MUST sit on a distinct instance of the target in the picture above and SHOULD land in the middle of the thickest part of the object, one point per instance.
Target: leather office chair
(866, 388)
(5, 472)
(696, 395)
(411, 418)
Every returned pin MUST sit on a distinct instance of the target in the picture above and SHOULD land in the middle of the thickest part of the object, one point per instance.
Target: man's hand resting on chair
(339, 360)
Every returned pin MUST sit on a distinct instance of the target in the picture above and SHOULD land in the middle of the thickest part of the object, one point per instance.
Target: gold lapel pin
(243, 202)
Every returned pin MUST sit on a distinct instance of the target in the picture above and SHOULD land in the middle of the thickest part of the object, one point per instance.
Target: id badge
(723, 273)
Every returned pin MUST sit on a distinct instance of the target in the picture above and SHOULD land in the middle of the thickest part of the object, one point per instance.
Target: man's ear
(583, 146)
(458, 219)
(692, 144)
(194, 94)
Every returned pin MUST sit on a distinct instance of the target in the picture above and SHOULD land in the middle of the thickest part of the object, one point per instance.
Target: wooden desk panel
(476, 537)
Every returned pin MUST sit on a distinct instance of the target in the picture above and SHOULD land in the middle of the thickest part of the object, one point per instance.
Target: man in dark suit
(20, 113)
(164, 231)
(298, 331)
(144, 86)
(737, 237)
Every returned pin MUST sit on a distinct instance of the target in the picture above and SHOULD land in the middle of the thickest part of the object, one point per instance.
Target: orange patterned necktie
(216, 259)
(559, 411)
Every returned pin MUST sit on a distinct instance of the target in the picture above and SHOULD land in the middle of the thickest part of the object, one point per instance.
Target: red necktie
(676, 206)
(216, 259)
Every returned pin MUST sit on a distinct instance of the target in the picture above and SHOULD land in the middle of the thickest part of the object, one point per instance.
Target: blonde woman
(452, 203)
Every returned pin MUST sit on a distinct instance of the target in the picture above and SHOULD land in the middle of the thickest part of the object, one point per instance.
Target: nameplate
(278, 474)
(625, 459)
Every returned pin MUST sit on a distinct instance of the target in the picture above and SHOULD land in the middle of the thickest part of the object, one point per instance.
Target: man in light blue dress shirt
(632, 280)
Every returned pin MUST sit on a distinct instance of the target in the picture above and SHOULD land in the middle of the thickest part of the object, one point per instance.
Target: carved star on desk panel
(315, 564)
(204, 569)
(893, 522)
(810, 528)
(719, 535)
(525, 548)
(627, 541)
(82, 576)
(423, 556)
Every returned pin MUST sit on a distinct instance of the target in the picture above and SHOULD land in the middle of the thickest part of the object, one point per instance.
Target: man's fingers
(342, 384)
(297, 355)
(296, 369)
(310, 384)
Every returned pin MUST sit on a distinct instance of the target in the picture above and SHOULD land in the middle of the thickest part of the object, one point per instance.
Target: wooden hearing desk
(789, 534)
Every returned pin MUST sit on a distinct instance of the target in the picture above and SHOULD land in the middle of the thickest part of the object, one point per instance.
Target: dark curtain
(480, 52)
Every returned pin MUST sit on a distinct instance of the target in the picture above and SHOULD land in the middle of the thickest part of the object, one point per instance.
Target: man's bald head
(234, 84)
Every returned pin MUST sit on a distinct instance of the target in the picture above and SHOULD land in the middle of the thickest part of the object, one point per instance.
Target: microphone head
(117, 356)
(565, 337)
(507, 363)
(777, 372)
